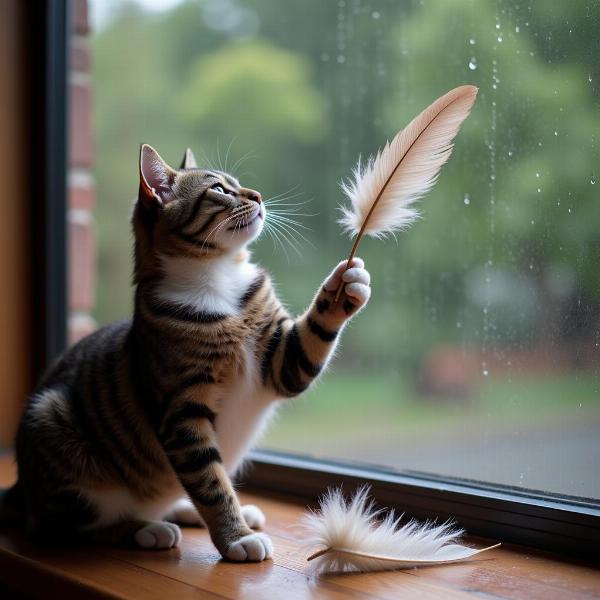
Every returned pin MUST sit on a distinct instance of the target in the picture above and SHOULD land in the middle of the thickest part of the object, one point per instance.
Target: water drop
(497, 25)
(375, 14)
(473, 64)
(494, 86)
(593, 180)
(517, 29)
(485, 372)
(324, 56)
(510, 153)
(341, 58)
(533, 221)
(466, 199)
(537, 175)
(569, 210)
(556, 133)
(539, 190)
(472, 41)
(458, 324)
(499, 38)
(590, 77)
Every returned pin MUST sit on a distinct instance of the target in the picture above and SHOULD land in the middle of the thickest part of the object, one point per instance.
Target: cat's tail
(12, 506)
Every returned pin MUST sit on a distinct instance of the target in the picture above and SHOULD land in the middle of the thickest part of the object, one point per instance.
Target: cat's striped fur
(145, 420)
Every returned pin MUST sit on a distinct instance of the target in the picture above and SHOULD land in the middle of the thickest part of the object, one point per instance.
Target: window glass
(478, 356)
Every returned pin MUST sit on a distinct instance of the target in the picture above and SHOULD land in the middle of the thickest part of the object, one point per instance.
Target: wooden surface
(195, 571)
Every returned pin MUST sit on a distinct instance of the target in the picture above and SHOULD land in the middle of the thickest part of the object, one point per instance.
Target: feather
(383, 190)
(352, 537)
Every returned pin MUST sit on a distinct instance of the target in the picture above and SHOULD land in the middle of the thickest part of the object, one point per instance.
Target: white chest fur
(215, 285)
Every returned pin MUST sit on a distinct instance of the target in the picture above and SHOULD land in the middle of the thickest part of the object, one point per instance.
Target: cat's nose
(254, 196)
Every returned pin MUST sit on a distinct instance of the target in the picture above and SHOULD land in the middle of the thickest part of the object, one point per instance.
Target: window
(478, 358)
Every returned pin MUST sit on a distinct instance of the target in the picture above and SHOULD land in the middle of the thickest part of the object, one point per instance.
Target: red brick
(80, 56)
(79, 14)
(82, 267)
(82, 197)
(80, 126)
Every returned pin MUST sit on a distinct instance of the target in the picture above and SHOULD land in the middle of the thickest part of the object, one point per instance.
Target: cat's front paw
(355, 294)
(251, 548)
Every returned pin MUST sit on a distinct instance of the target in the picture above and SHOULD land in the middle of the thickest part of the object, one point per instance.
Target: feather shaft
(352, 535)
(396, 559)
(405, 169)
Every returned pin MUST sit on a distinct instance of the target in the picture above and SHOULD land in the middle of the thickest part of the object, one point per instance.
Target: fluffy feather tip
(352, 537)
(382, 191)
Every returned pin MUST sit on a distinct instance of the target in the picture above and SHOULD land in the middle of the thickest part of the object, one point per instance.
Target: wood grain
(195, 570)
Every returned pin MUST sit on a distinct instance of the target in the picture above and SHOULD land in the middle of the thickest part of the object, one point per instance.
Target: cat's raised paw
(254, 547)
(158, 535)
(254, 517)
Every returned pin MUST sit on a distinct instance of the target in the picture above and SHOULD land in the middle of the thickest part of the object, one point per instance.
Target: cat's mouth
(244, 223)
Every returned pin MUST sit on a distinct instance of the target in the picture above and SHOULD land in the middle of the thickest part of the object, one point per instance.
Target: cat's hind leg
(183, 512)
(153, 535)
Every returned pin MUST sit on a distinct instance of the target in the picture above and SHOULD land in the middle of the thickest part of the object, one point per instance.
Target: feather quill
(383, 190)
(351, 537)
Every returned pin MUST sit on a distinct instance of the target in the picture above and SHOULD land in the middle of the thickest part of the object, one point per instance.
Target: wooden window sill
(195, 571)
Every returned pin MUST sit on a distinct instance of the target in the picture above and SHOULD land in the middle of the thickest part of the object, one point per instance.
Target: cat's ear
(156, 178)
(189, 160)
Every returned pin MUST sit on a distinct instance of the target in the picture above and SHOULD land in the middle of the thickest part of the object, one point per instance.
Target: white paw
(359, 292)
(254, 517)
(158, 535)
(333, 281)
(254, 547)
(184, 513)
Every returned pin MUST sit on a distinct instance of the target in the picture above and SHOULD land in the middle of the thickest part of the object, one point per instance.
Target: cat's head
(191, 211)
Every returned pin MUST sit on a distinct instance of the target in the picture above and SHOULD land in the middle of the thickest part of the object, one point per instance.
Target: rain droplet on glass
(497, 25)
(466, 199)
(517, 29)
(556, 133)
(472, 41)
(537, 175)
(499, 38)
(485, 372)
(593, 180)
(590, 77)
(473, 64)
(375, 14)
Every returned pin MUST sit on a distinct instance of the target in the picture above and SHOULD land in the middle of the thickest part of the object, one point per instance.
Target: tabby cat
(140, 425)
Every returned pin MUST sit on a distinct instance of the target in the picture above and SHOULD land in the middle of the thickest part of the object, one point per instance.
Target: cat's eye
(219, 188)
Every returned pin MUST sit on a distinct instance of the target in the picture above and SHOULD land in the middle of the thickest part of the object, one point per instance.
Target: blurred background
(479, 354)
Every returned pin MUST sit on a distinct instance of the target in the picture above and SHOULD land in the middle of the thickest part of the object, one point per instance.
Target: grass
(345, 404)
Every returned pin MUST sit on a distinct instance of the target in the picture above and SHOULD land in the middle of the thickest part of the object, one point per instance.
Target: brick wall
(82, 259)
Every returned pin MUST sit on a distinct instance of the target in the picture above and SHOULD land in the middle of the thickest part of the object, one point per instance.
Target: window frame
(48, 32)
(508, 514)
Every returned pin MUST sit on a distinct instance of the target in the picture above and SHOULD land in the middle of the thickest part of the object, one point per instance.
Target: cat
(140, 425)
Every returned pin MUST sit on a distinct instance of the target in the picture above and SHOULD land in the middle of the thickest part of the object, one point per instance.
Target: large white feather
(351, 537)
(383, 190)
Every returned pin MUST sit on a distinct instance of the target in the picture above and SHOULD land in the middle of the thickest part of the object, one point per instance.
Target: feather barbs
(382, 192)
(383, 189)
(352, 537)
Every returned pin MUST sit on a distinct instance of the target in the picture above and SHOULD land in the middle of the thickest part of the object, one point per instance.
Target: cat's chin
(244, 233)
